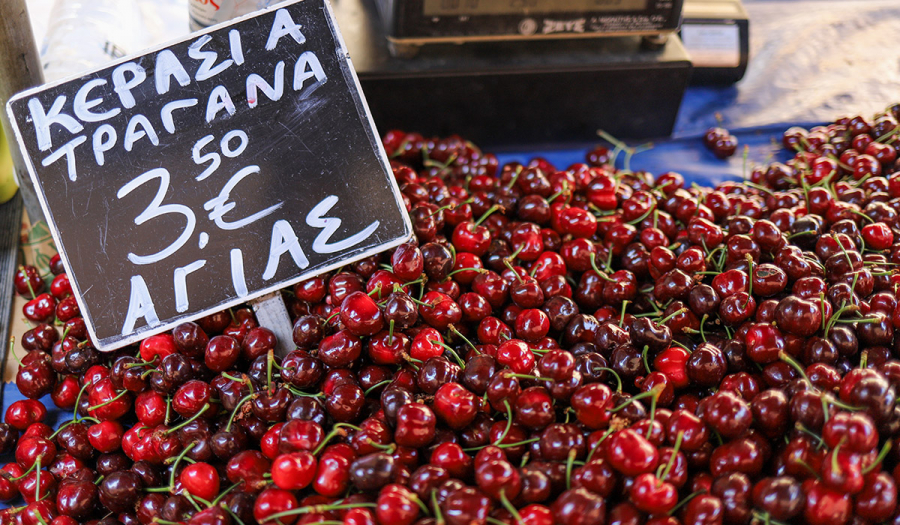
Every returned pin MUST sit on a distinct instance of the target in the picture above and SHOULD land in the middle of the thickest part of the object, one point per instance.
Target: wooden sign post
(209, 172)
(20, 68)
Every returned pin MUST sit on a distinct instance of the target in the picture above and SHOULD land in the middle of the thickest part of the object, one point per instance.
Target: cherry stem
(644, 353)
(510, 507)
(442, 208)
(509, 418)
(767, 519)
(27, 472)
(536, 378)
(142, 363)
(616, 375)
(487, 214)
(685, 501)
(28, 283)
(513, 270)
(652, 392)
(820, 442)
(597, 445)
(881, 455)
(438, 517)
(318, 508)
(235, 411)
(391, 332)
(642, 217)
(834, 460)
(665, 319)
(305, 394)
(420, 503)
(597, 270)
(78, 400)
(750, 271)
(270, 358)
(822, 309)
(454, 272)
(58, 430)
(518, 443)
(795, 365)
(837, 315)
(223, 494)
(332, 316)
(622, 315)
(103, 404)
(652, 416)
(569, 460)
(832, 401)
(672, 458)
(452, 352)
(376, 385)
(12, 350)
(187, 421)
(177, 460)
(512, 181)
(242, 379)
(565, 189)
(464, 338)
(37, 479)
(335, 431)
(233, 515)
(190, 498)
(380, 446)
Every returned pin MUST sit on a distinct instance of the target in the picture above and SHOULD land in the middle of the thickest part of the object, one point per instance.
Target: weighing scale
(410, 24)
(478, 79)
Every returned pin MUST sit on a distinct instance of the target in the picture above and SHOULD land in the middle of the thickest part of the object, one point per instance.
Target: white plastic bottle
(204, 13)
(83, 34)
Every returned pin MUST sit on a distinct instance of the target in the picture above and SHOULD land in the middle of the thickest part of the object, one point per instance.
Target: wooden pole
(20, 69)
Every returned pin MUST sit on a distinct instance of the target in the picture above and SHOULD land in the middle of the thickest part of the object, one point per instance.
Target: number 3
(155, 209)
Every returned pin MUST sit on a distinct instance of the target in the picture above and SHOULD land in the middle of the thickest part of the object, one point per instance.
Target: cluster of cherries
(721, 142)
(584, 346)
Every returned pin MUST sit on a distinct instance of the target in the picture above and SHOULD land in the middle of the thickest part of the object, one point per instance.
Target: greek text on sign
(209, 171)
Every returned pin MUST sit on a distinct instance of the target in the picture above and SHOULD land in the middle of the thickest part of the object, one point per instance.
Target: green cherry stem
(188, 420)
(671, 462)
(881, 455)
(103, 404)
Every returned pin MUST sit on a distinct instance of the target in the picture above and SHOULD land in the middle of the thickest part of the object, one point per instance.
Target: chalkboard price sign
(210, 171)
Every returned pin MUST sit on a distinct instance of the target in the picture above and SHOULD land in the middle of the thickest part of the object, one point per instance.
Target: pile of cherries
(578, 346)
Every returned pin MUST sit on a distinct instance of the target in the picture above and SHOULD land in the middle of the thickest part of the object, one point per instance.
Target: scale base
(517, 94)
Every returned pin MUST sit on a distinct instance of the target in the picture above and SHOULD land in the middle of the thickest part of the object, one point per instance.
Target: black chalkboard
(210, 171)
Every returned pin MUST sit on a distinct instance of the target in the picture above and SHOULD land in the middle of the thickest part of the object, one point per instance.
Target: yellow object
(8, 185)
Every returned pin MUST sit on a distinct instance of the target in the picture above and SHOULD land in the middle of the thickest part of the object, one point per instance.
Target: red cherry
(516, 355)
(157, 347)
(426, 344)
(360, 315)
(106, 436)
(455, 405)
(672, 362)
(22, 413)
(631, 454)
(294, 471)
(469, 237)
(110, 404)
(41, 309)
(274, 501)
(653, 496)
(878, 236)
(200, 479)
